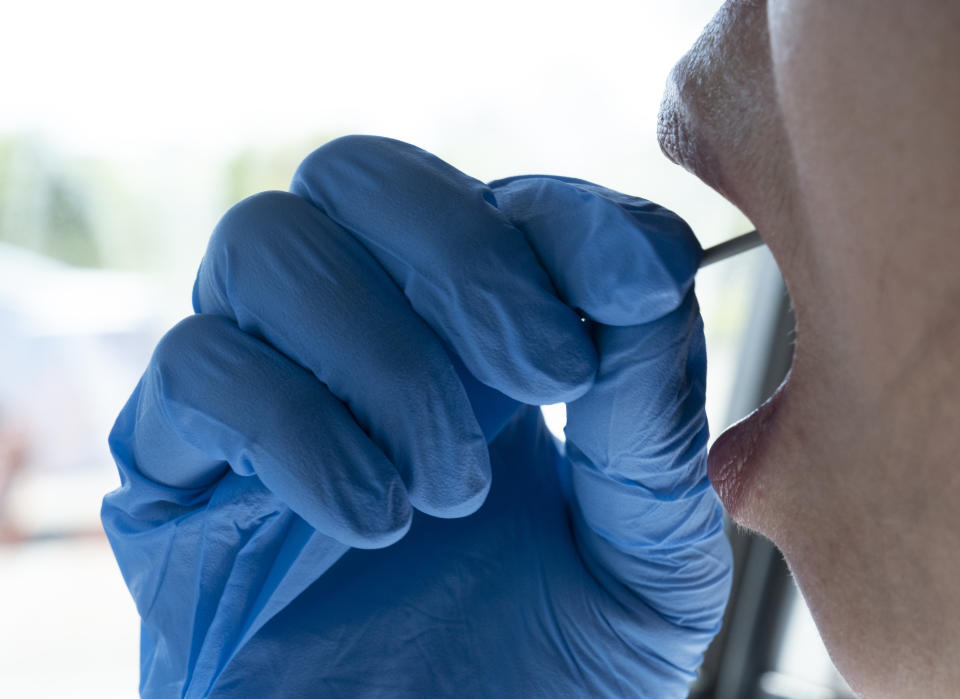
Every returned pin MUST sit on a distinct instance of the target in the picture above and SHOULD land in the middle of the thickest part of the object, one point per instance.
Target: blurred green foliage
(255, 170)
(141, 211)
(46, 203)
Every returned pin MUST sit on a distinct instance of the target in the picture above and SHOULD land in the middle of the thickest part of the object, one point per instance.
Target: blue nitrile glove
(315, 408)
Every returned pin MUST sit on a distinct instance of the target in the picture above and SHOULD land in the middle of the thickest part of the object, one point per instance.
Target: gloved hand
(358, 344)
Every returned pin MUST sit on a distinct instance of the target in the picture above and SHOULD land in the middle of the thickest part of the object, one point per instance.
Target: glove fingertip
(571, 382)
(458, 481)
(540, 380)
(555, 359)
(469, 497)
(379, 530)
(623, 259)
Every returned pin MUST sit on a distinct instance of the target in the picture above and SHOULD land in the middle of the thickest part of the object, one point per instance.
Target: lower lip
(734, 458)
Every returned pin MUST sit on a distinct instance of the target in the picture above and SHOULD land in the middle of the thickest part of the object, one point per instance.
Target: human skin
(834, 127)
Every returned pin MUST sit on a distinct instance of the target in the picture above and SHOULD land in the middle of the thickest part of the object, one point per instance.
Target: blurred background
(127, 128)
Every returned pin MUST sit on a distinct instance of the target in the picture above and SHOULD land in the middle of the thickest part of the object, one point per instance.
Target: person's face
(839, 468)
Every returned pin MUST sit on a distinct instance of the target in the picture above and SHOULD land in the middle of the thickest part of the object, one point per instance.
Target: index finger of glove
(462, 265)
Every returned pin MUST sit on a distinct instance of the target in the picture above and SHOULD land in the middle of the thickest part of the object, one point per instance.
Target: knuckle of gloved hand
(371, 530)
(354, 146)
(352, 151)
(256, 229)
(252, 223)
(180, 358)
(462, 500)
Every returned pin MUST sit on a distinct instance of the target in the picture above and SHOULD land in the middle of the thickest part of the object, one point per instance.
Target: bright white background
(163, 114)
